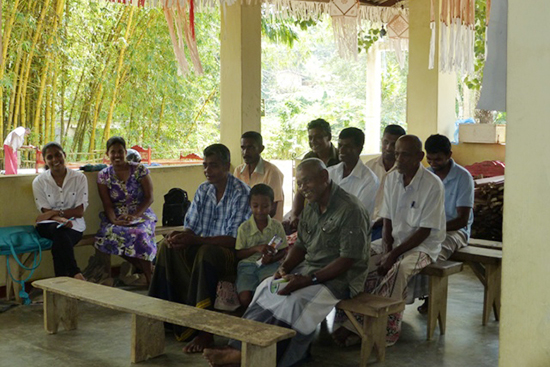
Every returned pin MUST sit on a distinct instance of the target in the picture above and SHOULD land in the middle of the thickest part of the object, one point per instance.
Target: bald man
(327, 263)
(414, 227)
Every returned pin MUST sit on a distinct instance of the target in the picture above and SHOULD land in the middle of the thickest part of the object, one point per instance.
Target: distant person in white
(14, 141)
(351, 174)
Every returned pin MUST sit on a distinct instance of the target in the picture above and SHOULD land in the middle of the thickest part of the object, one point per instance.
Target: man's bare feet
(201, 341)
(79, 276)
(344, 337)
(222, 357)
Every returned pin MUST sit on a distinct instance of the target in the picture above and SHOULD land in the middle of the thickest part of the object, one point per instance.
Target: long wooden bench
(487, 266)
(13, 288)
(439, 273)
(477, 242)
(375, 311)
(61, 297)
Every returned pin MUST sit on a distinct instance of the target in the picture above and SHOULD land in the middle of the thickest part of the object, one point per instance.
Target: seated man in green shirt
(327, 263)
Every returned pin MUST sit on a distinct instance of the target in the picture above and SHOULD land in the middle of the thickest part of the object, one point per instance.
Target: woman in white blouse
(61, 195)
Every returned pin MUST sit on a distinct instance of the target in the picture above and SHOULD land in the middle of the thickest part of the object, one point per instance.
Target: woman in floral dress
(128, 223)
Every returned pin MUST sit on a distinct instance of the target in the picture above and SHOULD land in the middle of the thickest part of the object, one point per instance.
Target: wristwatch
(314, 279)
(61, 213)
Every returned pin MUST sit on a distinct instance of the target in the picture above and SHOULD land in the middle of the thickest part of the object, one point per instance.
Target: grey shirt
(343, 230)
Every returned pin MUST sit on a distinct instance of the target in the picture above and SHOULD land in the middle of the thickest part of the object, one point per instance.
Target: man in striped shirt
(190, 263)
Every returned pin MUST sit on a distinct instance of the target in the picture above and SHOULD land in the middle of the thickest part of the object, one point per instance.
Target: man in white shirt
(13, 142)
(351, 174)
(414, 228)
(382, 166)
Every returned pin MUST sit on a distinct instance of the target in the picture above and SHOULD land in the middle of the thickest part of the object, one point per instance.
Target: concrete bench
(61, 297)
(375, 311)
(439, 273)
(487, 266)
(13, 288)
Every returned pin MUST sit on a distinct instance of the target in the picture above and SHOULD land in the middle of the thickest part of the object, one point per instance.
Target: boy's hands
(267, 252)
(264, 249)
(267, 259)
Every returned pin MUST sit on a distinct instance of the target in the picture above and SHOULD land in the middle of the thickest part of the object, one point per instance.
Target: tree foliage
(310, 80)
(79, 71)
(110, 65)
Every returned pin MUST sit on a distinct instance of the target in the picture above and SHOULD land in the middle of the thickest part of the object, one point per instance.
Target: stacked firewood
(488, 205)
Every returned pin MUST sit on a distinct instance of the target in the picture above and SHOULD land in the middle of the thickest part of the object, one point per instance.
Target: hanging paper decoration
(182, 31)
(432, 36)
(398, 33)
(344, 15)
(347, 16)
(457, 28)
(183, 34)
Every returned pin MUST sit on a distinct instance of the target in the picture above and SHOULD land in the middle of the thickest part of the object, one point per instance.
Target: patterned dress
(137, 240)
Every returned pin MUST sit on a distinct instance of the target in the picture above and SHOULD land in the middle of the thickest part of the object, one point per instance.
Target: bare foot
(79, 276)
(344, 337)
(222, 357)
(201, 341)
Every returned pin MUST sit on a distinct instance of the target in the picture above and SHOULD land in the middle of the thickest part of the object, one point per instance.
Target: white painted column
(240, 74)
(525, 313)
(373, 101)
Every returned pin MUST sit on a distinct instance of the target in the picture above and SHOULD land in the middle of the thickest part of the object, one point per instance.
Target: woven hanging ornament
(344, 15)
(457, 35)
(398, 33)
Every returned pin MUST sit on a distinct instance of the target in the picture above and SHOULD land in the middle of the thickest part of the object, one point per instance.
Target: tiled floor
(103, 338)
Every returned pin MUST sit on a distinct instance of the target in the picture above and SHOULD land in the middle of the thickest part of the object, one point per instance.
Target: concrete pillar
(430, 93)
(374, 101)
(525, 313)
(240, 74)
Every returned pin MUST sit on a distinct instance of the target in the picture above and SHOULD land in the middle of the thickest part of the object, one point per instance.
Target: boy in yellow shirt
(259, 240)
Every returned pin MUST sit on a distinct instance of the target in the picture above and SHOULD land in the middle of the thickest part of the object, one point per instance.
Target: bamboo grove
(79, 71)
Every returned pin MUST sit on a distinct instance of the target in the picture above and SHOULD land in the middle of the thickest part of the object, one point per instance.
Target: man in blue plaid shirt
(190, 263)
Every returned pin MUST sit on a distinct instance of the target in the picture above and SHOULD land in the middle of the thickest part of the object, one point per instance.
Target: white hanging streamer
(345, 35)
(457, 32)
(432, 46)
(183, 67)
(432, 37)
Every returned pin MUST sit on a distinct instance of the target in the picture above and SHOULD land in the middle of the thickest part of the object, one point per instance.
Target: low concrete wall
(18, 206)
(469, 153)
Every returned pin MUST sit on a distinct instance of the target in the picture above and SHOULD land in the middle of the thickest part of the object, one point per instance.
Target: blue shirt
(459, 191)
(207, 217)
